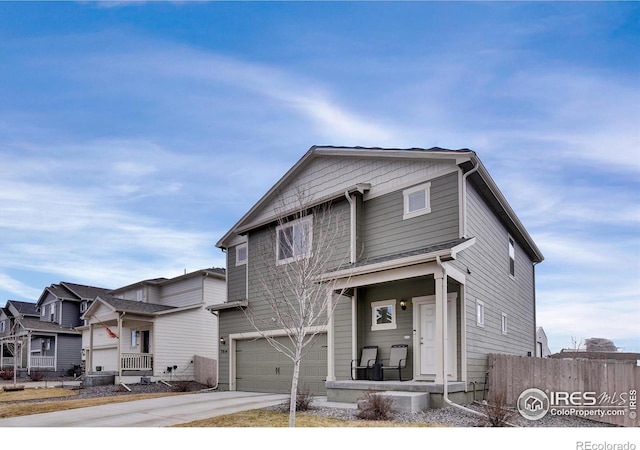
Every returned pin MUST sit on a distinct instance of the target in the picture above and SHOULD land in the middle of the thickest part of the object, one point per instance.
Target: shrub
(37, 375)
(180, 386)
(375, 407)
(497, 411)
(303, 400)
(6, 374)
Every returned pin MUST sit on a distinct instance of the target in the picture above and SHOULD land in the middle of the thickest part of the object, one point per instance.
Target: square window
(417, 201)
(480, 313)
(241, 254)
(383, 315)
(294, 240)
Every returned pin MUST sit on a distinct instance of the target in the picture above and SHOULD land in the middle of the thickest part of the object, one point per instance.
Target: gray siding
(342, 336)
(69, 351)
(236, 277)
(386, 233)
(489, 282)
(70, 314)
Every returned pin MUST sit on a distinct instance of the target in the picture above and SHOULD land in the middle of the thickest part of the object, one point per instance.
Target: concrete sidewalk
(157, 412)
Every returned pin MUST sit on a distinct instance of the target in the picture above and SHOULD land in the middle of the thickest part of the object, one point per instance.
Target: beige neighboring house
(154, 328)
(542, 344)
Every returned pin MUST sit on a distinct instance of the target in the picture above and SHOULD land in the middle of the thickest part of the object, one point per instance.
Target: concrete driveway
(157, 412)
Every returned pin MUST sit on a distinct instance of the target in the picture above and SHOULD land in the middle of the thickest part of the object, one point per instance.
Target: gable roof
(216, 272)
(23, 308)
(466, 159)
(71, 291)
(34, 324)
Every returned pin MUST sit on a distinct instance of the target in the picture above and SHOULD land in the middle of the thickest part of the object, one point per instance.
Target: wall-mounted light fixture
(403, 304)
(222, 341)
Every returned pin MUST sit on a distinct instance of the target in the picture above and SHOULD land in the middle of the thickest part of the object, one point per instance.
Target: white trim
(480, 313)
(425, 189)
(390, 304)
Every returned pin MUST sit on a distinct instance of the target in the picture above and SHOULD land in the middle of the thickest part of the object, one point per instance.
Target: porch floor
(406, 386)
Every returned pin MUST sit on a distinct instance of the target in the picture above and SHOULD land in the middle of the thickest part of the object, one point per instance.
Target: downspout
(445, 349)
(464, 198)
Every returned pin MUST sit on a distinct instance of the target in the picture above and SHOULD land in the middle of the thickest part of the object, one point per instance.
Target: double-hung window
(479, 313)
(294, 239)
(417, 201)
(504, 323)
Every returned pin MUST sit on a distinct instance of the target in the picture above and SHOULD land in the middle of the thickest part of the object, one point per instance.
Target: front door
(146, 347)
(426, 345)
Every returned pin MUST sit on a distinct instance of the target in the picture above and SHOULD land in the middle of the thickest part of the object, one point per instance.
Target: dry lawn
(261, 418)
(25, 409)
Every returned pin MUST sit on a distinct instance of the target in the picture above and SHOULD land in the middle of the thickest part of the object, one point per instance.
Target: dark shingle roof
(38, 325)
(85, 292)
(60, 291)
(25, 308)
(132, 306)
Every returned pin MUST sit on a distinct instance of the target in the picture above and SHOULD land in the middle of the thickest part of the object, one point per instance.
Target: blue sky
(134, 135)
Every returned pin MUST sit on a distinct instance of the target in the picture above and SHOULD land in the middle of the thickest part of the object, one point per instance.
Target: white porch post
(331, 372)
(55, 352)
(119, 362)
(28, 352)
(89, 358)
(441, 326)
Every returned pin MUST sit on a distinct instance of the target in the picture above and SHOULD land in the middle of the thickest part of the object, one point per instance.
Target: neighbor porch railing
(7, 362)
(43, 362)
(136, 361)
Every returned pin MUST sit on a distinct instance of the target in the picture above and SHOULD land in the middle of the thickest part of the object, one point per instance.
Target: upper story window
(139, 295)
(241, 254)
(512, 257)
(417, 201)
(294, 239)
(2, 327)
(504, 323)
(44, 311)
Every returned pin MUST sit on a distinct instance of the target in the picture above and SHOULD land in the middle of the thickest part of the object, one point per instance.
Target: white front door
(425, 323)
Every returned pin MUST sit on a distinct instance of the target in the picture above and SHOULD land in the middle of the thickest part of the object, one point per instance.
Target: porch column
(331, 372)
(119, 362)
(440, 278)
(89, 357)
(28, 352)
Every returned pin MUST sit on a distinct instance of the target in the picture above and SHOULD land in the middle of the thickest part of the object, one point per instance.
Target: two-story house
(155, 328)
(435, 260)
(15, 320)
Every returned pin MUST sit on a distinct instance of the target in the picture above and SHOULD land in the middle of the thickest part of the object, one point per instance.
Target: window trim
(375, 306)
(480, 313)
(511, 248)
(245, 247)
(504, 323)
(424, 187)
(306, 253)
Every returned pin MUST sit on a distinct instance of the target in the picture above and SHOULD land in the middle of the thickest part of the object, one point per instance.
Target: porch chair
(397, 359)
(368, 358)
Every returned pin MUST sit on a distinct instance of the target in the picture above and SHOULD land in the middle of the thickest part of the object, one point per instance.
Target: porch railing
(43, 361)
(7, 361)
(136, 361)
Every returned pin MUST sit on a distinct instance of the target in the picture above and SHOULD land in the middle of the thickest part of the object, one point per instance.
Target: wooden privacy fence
(205, 371)
(611, 384)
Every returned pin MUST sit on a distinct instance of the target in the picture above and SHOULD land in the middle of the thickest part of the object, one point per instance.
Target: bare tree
(307, 242)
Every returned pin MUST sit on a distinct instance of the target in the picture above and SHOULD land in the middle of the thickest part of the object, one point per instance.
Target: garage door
(261, 368)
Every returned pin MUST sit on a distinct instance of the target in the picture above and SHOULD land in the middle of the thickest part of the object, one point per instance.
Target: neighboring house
(12, 318)
(154, 328)
(432, 243)
(542, 344)
(47, 329)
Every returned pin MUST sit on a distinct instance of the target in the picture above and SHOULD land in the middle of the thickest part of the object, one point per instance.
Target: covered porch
(416, 302)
